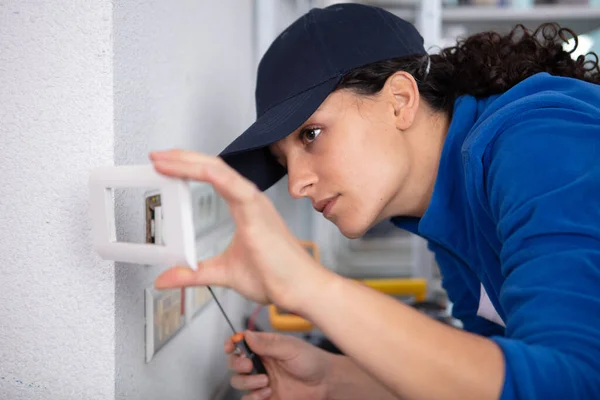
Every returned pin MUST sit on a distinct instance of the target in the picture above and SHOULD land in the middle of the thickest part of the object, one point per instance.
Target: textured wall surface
(56, 122)
(84, 84)
(184, 77)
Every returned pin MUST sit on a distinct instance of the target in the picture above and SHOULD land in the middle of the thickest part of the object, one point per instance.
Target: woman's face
(358, 158)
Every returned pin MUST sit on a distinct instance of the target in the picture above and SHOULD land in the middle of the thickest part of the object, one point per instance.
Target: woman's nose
(300, 179)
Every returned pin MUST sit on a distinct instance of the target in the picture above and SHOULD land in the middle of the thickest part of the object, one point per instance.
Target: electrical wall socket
(167, 311)
(165, 317)
(196, 299)
(209, 209)
(154, 218)
(205, 207)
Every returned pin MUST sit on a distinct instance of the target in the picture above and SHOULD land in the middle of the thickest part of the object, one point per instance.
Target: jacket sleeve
(543, 189)
(463, 286)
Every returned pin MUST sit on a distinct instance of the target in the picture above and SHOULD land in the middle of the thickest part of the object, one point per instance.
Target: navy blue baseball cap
(303, 66)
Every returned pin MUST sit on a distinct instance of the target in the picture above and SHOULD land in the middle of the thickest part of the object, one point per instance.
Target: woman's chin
(351, 230)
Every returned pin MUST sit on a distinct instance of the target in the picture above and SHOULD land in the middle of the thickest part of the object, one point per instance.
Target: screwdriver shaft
(241, 346)
(222, 310)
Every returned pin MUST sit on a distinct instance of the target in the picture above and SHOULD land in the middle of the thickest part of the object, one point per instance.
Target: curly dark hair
(482, 65)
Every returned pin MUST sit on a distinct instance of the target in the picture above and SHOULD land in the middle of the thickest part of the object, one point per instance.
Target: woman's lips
(329, 207)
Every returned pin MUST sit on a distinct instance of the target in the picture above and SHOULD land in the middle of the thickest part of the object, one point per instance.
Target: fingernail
(156, 155)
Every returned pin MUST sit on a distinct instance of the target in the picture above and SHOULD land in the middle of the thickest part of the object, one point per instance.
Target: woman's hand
(264, 261)
(297, 370)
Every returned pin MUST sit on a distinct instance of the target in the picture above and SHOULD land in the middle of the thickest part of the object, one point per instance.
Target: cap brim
(249, 154)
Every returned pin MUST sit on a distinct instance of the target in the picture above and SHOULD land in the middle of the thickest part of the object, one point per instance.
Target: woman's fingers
(235, 362)
(181, 155)
(242, 196)
(187, 165)
(229, 346)
(249, 382)
(240, 365)
(176, 277)
(208, 272)
(261, 394)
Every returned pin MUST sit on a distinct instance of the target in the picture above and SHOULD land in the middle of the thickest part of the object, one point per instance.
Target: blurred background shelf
(581, 19)
(441, 23)
(537, 13)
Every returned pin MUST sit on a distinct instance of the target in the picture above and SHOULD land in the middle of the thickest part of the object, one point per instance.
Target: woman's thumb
(209, 272)
(271, 344)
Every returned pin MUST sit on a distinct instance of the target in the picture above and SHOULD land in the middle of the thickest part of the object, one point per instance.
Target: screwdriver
(240, 342)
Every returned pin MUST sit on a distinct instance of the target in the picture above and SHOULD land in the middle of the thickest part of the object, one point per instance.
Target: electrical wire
(253, 316)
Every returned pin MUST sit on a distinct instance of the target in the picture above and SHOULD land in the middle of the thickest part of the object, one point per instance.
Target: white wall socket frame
(178, 228)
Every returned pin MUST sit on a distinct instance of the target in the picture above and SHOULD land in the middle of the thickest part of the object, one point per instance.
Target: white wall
(95, 83)
(184, 77)
(56, 122)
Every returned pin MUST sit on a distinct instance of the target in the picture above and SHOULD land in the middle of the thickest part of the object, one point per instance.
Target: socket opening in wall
(154, 218)
(121, 200)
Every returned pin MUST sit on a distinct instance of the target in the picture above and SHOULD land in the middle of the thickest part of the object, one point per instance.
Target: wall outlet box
(154, 218)
(165, 317)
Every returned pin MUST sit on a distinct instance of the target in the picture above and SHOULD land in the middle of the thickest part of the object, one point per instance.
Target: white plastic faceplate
(179, 248)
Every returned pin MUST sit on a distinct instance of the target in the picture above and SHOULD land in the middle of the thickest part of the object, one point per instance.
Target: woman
(490, 150)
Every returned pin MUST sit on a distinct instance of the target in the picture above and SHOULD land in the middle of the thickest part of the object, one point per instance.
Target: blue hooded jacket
(514, 222)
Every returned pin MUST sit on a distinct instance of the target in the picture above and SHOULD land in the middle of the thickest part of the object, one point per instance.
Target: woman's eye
(309, 135)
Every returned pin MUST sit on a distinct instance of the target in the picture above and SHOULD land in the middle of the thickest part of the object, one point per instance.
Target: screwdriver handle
(258, 366)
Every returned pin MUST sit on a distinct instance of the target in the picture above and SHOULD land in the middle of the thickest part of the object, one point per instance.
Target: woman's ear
(404, 94)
